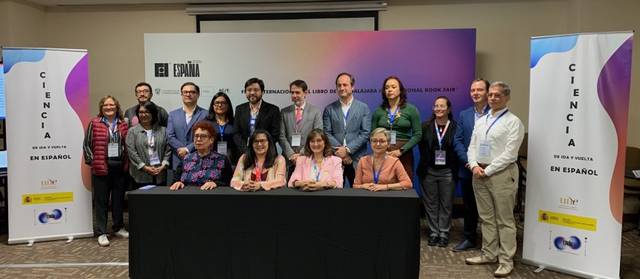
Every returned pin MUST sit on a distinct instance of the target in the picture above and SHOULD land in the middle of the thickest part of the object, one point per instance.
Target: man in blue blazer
(461, 141)
(347, 123)
(255, 114)
(180, 122)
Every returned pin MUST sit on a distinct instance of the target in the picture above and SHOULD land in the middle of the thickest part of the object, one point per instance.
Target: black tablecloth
(282, 233)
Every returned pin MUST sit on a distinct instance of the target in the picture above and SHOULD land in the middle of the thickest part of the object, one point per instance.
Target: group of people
(321, 149)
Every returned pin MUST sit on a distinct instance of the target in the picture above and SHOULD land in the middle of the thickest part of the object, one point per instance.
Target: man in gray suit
(347, 123)
(297, 122)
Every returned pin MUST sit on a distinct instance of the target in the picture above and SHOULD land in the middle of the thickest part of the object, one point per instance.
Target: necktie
(298, 115)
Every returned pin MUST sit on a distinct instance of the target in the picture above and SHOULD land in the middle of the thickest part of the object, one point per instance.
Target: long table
(283, 233)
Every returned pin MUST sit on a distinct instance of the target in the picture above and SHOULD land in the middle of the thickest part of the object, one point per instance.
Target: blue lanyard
(113, 127)
(376, 174)
(252, 124)
(392, 116)
(221, 130)
(318, 170)
(494, 122)
(439, 135)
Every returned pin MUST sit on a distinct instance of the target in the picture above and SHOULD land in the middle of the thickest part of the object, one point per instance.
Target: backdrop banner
(47, 93)
(430, 63)
(578, 117)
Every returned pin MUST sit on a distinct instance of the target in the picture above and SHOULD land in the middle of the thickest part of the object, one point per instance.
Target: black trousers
(112, 186)
(470, 209)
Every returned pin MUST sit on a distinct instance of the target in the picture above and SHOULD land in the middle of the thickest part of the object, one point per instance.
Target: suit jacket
(179, 132)
(139, 156)
(462, 138)
(356, 131)
(311, 119)
(268, 119)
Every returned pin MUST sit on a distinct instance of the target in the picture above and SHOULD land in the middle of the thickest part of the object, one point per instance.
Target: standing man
(255, 114)
(297, 122)
(347, 124)
(144, 92)
(181, 120)
(466, 121)
(492, 154)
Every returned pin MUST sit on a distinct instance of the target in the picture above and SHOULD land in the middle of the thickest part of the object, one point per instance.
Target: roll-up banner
(578, 115)
(47, 94)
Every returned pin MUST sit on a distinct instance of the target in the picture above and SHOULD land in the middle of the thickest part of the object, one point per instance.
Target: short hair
(142, 83)
(486, 83)
(504, 87)
(351, 78)
(151, 108)
(299, 83)
(380, 130)
(403, 93)
(192, 84)
(118, 109)
(205, 125)
(254, 80)
(328, 151)
(212, 114)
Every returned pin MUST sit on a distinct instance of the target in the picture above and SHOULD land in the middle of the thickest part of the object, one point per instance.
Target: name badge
(484, 150)
(154, 159)
(113, 150)
(393, 137)
(441, 157)
(295, 140)
(222, 147)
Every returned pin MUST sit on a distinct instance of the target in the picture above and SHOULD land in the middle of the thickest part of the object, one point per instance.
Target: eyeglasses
(201, 136)
(143, 112)
(193, 92)
(260, 141)
(378, 141)
(220, 104)
(439, 107)
(143, 91)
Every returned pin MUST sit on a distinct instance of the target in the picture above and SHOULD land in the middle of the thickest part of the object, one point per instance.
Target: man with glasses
(144, 92)
(298, 120)
(492, 154)
(255, 114)
(181, 120)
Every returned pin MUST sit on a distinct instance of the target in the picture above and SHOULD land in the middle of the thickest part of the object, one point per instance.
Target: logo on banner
(48, 183)
(50, 217)
(571, 244)
(189, 69)
(568, 202)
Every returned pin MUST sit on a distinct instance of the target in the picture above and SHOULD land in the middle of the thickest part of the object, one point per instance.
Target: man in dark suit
(347, 123)
(255, 114)
(466, 121)
(181, 120)
(298, 120)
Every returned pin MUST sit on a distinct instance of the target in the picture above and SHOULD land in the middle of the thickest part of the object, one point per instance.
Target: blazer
(356, 131)
(331, 170)
(137, 145)
(179, 132)
(130, 116)
(462, 138)
(311, 119)
(429, 144)
(268, 119)
(391, 172)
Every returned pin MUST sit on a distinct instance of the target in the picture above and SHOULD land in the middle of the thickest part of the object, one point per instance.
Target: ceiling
(154, 2)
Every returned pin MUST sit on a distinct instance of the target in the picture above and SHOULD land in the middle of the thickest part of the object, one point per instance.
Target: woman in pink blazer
(318, 169)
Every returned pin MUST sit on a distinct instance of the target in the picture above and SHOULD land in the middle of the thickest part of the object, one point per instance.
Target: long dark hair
(403, 93)
(151, 108)
(449, 115)
(250, 155)
(229, 114)
(328, 151)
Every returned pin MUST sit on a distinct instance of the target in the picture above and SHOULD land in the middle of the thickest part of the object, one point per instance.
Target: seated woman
(318, 169)
(203, 167)
(379, 171)
(260, 167)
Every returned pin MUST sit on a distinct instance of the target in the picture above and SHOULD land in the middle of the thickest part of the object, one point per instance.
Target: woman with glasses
(401, 119)
(204, 168)
(317, 169)
(105, 151)
(437, 170)
(148, 148)
(221, 116)
(260, 168)
(381, 171)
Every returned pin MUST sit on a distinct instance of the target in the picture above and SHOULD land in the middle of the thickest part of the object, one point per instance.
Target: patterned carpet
(434, 262)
